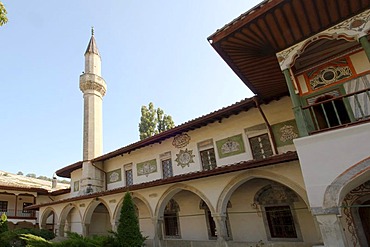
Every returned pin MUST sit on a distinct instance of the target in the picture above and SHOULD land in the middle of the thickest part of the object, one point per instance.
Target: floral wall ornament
(285, 132)
(114, 176)
(181, 140)
(230, 146)
(184, 158)
(147, 167)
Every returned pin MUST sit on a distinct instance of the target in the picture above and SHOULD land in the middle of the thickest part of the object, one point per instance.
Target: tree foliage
(128, 231)
(3, 223)
(153, 121)
(3, 17)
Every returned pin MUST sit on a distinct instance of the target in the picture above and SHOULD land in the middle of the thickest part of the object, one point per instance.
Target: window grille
(167, 168)
(129, 177)
(261, 146)
(171, 219)
(208, 159)
(3, 206)
(280, 222)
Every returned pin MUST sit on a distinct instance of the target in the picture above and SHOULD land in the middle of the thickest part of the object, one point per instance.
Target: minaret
(93, 88)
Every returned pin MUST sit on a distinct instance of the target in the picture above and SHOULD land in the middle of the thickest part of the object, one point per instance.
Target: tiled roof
(9, 181)
(234, 109)
(244, 165)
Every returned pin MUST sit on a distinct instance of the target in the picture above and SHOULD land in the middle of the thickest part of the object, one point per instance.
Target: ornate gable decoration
(181, 140)
(184, 158)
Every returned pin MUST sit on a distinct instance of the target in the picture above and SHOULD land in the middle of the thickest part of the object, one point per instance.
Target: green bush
(17, 237)
(34, 241)
(76, 240)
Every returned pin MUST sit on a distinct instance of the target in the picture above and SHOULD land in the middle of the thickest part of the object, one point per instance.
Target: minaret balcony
(94, 82)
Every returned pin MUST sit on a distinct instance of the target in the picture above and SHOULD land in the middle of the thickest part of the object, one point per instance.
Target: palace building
(287, 167)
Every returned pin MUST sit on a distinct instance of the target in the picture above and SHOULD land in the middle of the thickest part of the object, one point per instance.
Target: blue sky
(152, 51)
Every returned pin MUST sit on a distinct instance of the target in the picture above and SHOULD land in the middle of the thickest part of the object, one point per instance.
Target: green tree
(128, 231)
(3, 17)
(31, 175)
(153, 121)
(20, 173)
(3, 223)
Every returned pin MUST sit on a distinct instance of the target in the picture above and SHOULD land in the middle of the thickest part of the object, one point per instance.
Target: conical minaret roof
(92, 47)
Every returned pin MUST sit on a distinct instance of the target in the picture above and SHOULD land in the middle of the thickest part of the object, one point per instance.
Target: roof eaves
(244, 165)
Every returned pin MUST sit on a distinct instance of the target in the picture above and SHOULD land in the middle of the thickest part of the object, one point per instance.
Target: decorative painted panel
(181, 140)
(146, 167)
(230, 146)
(184, 158)
(285, 132)
(114, 176)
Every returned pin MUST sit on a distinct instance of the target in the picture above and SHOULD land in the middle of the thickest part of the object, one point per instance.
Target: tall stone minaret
(93, 88)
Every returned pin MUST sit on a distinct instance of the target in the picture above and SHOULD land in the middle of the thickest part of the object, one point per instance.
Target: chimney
(54, 182)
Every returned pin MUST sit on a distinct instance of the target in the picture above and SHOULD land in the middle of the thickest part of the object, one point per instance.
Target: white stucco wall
(325, 156)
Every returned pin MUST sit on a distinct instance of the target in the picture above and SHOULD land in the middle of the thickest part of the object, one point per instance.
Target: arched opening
(143, 213)
(48, 220)
(97, 220)
(70, 221)
(183, 218)
(356, 212)
(278, 213)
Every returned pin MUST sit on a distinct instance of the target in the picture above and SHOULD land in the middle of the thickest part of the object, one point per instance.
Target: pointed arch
(134, 195)
(63, 217)
(173, 190)
(92, 206)
(45, 216)
(354, 176)
(249, 175)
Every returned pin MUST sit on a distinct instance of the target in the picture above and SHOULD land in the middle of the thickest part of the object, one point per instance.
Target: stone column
(85, 229)
(366, 45)
(298, 112)
(220, 221)
(157, 224)
(331, 230)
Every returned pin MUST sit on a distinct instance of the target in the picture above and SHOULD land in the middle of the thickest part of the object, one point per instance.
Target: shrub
(17, 237)
(76, 240)
(128, 232)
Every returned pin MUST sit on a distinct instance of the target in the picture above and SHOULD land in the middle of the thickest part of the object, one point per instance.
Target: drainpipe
(269, 129)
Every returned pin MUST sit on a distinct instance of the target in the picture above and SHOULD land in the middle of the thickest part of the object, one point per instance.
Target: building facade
(288, 167)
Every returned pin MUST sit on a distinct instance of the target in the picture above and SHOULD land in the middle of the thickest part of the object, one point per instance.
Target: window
(330, 113)
(208, 159)
(171, 220)
(280, 222)
(129, 178)
(207, 155)
(166, 164)
(261, 146)
(167, 168)
(276, 203)
(3, 206)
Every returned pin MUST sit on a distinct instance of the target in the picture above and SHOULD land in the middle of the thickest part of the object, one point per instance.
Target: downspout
(269, 130)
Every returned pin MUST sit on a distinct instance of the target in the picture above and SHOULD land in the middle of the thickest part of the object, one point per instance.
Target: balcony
(19, 214)
(332, 111)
